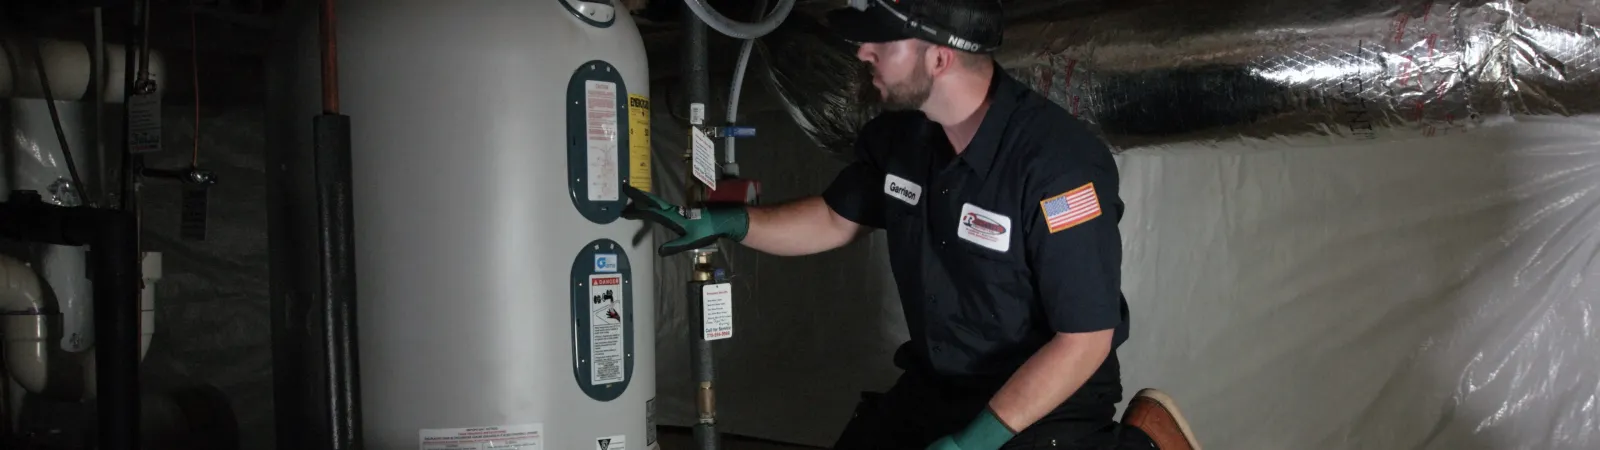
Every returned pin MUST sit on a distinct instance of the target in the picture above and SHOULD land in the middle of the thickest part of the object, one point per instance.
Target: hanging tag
(192, 219)
(704, 157)
(717, 301)
(144, 122)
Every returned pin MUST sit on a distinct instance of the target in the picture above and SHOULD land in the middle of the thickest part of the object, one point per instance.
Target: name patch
(902, 189)
(986, 228)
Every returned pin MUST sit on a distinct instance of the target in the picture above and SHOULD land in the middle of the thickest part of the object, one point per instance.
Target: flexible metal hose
(736, 29)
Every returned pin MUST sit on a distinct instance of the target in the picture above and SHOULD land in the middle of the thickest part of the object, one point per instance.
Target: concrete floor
(675, 438)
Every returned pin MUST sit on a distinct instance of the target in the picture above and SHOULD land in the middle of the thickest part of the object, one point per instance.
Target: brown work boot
(1157, 415)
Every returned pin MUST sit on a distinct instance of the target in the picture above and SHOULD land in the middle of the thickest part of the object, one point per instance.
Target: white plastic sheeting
(1436, 293)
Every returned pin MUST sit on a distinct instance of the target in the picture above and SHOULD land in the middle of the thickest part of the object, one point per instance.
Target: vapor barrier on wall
(1310, 261)
(1196, 72)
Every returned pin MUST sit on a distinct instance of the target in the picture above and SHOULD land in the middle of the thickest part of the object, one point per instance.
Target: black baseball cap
(971, 25)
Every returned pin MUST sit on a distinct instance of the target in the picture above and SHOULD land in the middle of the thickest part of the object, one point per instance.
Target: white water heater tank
(502, 300)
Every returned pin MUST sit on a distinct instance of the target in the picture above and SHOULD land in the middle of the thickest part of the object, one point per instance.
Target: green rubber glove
(986, 432)
(698, 227)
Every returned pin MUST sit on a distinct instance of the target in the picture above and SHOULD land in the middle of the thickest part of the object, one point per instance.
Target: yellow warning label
(639, 141)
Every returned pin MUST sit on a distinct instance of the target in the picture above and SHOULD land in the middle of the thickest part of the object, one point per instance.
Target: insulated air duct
(1151, 74)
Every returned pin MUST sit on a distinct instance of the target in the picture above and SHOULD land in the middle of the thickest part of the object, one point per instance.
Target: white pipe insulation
(68, 65)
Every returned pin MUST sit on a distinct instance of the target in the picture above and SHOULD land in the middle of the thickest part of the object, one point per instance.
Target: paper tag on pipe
(704, 157)
(144, 123)
(192, 213)
(697, 114)
(717, 303)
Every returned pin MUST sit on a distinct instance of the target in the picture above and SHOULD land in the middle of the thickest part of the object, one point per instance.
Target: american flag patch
(1071, 208)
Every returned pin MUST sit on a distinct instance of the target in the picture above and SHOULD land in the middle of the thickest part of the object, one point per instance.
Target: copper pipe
(330, 59)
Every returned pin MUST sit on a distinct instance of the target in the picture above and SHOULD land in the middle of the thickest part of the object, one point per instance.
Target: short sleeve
(855, 192)
(1074, 246)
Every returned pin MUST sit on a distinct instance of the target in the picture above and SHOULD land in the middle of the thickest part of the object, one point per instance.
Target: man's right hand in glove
(697, 227)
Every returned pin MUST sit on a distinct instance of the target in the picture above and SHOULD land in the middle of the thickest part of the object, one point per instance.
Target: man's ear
(940, 59)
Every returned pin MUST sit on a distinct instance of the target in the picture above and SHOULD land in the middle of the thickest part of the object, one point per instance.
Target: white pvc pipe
(63, 268)
(25, 334)
(147, 301)
(147, 323)
(68, 65)
(27, 352)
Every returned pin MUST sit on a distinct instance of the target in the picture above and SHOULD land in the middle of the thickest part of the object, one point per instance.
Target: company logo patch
(980, 223)
(902, 189)
(985, 228)
(605, 262)
(1071, 208)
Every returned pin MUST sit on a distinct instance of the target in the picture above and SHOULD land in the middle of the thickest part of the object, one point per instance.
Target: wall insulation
(1352, 225)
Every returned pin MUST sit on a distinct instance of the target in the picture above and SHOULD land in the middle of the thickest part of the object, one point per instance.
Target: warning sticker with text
(606, 333)
(611, 443)
(718, 303)
(601, 111)
(639, 141)
(510, 437)
(703, 162)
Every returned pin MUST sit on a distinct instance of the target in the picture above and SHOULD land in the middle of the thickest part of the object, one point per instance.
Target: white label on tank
(705, 158)
(519, 437)
(601, 97)
(718, 302)
(606, 333)
(650, 422)
(618, 442)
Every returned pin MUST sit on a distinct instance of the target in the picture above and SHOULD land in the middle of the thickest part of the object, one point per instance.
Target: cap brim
(863, 27)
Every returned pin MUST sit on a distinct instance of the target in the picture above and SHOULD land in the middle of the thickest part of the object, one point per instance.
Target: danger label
(718, 304)
(519, 437)
(606, 333)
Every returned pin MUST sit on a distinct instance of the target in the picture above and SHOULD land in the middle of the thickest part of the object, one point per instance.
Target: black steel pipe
(705, 428)
(112, 238)
(698, 86)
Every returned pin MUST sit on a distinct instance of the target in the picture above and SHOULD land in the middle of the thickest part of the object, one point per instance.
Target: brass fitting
(702, 265)
(707, 399)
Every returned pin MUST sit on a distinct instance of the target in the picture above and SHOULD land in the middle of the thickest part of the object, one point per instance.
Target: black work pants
(920, 409)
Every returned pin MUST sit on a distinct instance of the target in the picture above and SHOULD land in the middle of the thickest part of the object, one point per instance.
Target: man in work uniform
(1001, 211)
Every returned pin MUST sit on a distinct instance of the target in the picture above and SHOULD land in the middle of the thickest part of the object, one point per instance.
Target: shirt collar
(1004, 93)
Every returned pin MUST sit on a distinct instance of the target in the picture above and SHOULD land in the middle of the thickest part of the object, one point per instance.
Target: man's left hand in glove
(697, 227)
(986, 432)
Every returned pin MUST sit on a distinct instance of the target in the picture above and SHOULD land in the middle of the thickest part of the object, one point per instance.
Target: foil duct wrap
(1153, 73)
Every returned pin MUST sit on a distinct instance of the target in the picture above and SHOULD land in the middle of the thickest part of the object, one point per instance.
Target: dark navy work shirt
(996, 249)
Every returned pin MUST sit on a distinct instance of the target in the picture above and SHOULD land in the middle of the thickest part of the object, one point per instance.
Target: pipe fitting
(24, 325)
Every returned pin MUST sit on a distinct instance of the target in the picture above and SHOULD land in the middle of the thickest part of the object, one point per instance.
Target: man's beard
(906, 95)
